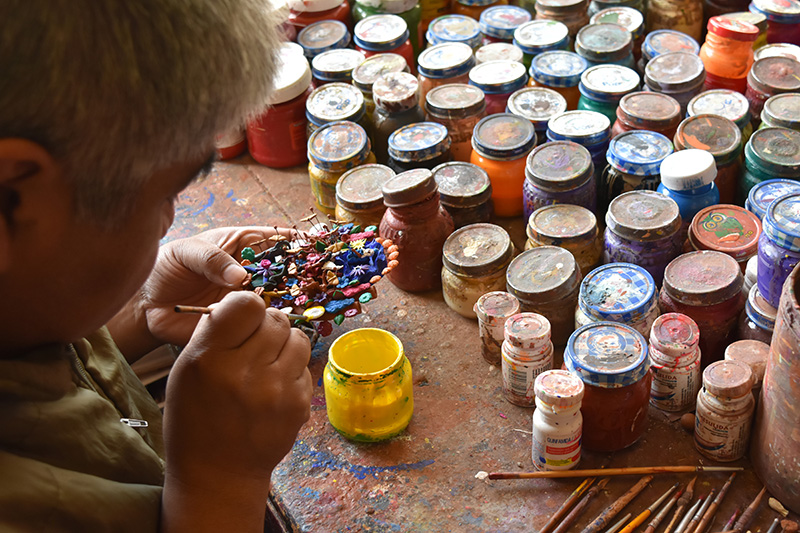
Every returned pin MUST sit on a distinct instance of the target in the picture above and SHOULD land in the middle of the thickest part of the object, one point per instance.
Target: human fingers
(232, 323)
(294, 356)
(233, 239)
(208, 260)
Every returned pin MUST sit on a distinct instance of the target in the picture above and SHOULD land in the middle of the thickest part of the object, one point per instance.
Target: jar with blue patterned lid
(333, 149)
(444, 63)
(770, 153)
(571, 227)
(605, 44)
(778, 246)
(334, 102)
(538, 105)
(454, 29)
(611, 359)
(561, 71)
(539, 36)
(766, 192)
(643, 228)
(587, 128)
(498, 23)
(384, 33)
(559, 172)
(619, 292)
(571, 12)
(323, 36)
(497, 80)
(335, 66)
(420, 145)
(724, 103)
(679, 74)
(629, 18)
(497, 51)
(664, 41)
(603, 86)
(781, 111)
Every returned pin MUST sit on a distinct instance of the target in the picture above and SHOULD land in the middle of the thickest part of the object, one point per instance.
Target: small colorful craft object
(324, 276)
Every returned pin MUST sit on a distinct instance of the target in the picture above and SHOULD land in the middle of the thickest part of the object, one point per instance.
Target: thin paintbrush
(573, 515)
(628, 471)
(708, 516)
(613, 510)
(207, 310)
(662, 514)
(683, 503)
(616, 527)
(700, 512)
(644, 515)
(689, 514)
(568, 503)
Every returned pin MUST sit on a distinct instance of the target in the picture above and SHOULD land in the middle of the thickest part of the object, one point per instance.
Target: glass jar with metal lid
(629, 18)
(305, 12)
(618, 292)
(768, 77)
(729, 229)
(658, 42)
(455, 29)
(465, 192)
(723, 139)
(497, 80)
(498, 23)
(560, 71)
(396, 97)
(418, 225)
(334, 102)
(778, 246)
(420, 145)
(781, 111)
(778, 49)
(634, 161)
(649, 111)
(770, 153)
(678, 74)
(323, 36)
(596, 6)
(408, 10)
(571, 227)
(571, 12)
(764, 193)
(611, 359)
(707, 287)
(725, 103)
(643, 228)
(539, 36)
(474, 8)
(498, 51)
(358, 195)
(587, 128)
(559, 172)
(475, 259)
(444, 63)
(371, 69)
(333, 149)
(688, 178)
(500, 145)
(603, 86)
(605, 44)
(545, 280)
(538, 105)
(758, 320)
(384, 33)
(685, 16)
(335, 66)
(782, 19)
(458, 107)
(727, 53)
(756, 19)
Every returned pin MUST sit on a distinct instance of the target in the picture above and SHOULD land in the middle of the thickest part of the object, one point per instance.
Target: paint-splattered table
(424, 480)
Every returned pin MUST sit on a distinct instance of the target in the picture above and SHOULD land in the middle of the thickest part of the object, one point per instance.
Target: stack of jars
(587, 128)
(678, 74)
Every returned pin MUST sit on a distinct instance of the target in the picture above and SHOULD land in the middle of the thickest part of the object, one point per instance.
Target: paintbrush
(700, 512)
(628, 471)
(207, 310)
(573, 515)
(616, 527)
(774, 527)
(732, 519)
(689, 514)
(750, 512)
(708, 516)
(683, 503)
(568, 503)
(644, 515)
(656, 521)
(613, 510)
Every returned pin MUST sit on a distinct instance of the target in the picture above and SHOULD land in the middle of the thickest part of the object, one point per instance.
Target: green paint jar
(603, 86)
(770, 153)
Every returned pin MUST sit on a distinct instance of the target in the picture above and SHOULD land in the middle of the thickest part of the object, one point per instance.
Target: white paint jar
(527, 352)
(674, 362)
(557, 420)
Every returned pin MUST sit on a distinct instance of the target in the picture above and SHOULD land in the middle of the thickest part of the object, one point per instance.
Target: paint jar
(648, 111)
(570, 12)
(368, 385)
(603, 86)
(527, 352)
(723, 139)
(753, 353)
(587, 128)
(674, 362)
(475, 259)
(781, 111)
(611, 359)
(605, 44)
(559, 172)
(358, 195)
(305, 12)
(492, 310)
(384, 33)
(557, 420)
(498, 23)
(500, 146)
(371, 69)
(334, 149)
(659, 42)
(545, 280)
(629, 18)
(408, 10)
(764, 193)
(277, 138)
(728, 53)
(560, 71)
(618, 292)
(230, 144)
(724, 103)
(431, 10)
(724, 411)
(571, 227)
(455, 29)
(335, 66)
(474, 8)
(538, 105)
(728, 229)
(677, 74)
(498, 51)
(539, 36)
(778, 49)
(465, 192)
(756, 19)
(421, 145)
(685, 16)
(782, 20)
(323, 36)
(768, 77)
(497, 80)
(643, 228)
(596, 6)
(444, 63)
(396, 99)
(459, 108)
(688, 178)
(778, 246)
(335, 102)
(418, 225)
(634, 160)
(750, 275)
(706, 286)
(770, 153)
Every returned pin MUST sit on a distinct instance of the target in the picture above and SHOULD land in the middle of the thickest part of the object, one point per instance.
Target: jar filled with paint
(458, 107)
(371, 69)
(685, 16)
(474, 8)
(560, 71)
(306, 12)
(647, 111)
(421, 145)
(498, 51)
(781, 111)
(442, 64)
(587, 128)
(688, 178)
(527, 352)
(629, 18)
(605, 44)
(465, 192)
(727, 53)
(408, 10)
(358, 195)
(770, 153)
(539, 36)
(678, 74)
(498, 23)
(492, 310)
(335, 102)
(778, 246)
(724, 103)
(753, 353)
(571, 227)
(557, 420)
(674, 362)
(498, 80)
(766, 192)
(559, 172)
(768, 77)
(664, 41)
(782, 20)
(323, 36)
(378, 34)
(603, 86)
(538, 105)
(454, 29)
(396, 97)
(572, 13)
(335, 66)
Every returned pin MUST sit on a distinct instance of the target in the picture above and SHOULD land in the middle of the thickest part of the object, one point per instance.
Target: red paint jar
(306, 12)
(768, 77)
(378, 34)
(230, 144)
(729, 229)
(783, 19)
(277, 138)
(647, 111)
(706, 286)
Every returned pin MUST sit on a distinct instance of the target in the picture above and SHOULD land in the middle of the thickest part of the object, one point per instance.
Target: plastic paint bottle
(557, 421)
(675, 362)
(493, 309)
(526, 353)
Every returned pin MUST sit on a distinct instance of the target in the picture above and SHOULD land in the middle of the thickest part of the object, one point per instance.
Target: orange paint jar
(728, 53)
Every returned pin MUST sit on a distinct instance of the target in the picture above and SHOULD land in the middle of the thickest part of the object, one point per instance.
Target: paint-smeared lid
(774, 75)
(500, 22)
(638, 152)
(562, 6)
(723, 102)
(783, 11)
(336, 65)
(558, 68)
(561, 223)
(394, 7)
(608, 83)
(726, 228)
(409, 187)
(607, 355)
(446, 60)
(764, 193)
(503, 136)
(583, 127)
(293, 74)
(322, 36)
(380, 33)
(334, 102)
(498, 77)
(360, 188)
(782, 223)
(617, 292)
(703, 278)
(536, 104)
(477, 250)
(497, 304)
(675, 72)
(603, 42)
(454, 29)
(396, 92)
(664, 41)
(629, 18)
(498, 51)
(728, 379)
(643, 216)
(688, 170)
(558, 388)
(778, 49)
(752, 353)
(421, 141)
(528, 331)
(559, 166)
(338, 146)
(674, 334)
(759, 310)
(776, 150)
(712, 133)
(376, 66)
(645, 110)
(730, 28)
(462, 184)
(543, 274)
(479, 3)
(538, 36)
(455, 100)
(783, 111)
(756, 19)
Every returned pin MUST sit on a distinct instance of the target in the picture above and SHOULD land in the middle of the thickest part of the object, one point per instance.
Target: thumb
(210, 261)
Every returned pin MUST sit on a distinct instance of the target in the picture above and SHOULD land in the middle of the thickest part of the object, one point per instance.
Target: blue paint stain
(231, 197)
(309, 493)
(208, 204)
(319, 382)
(323, 459)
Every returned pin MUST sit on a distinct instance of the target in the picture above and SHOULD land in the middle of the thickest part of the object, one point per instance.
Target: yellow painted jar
(368, 385)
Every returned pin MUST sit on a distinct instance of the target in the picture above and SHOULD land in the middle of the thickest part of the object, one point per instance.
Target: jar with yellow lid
(458, 107)
(358, 195)
(571, 227)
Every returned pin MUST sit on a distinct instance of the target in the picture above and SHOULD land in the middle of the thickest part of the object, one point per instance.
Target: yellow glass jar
(368, 385)
(358, 195)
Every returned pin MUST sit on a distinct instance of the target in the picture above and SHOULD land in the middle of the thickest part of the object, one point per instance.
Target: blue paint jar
(419, 145)
(498, 23)
(454, 29)
(587, 128)
(766, 192)
(603, 86)
(559, 172)
(688, 178)
(605, 44)
(778, 246)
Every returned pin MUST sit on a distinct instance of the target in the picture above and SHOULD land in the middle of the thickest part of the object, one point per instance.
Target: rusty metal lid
(542, 275)
(462, 184)
(477, 250)
(649, 111)
(703, 278)
(561, 224)
(643, 216)
(775, 75)
(360, 188)
(559, 165)
(410, 187)
(728, 379)
(675, 72)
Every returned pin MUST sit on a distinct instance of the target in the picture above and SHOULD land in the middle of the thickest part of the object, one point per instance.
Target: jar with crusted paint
(604, 44)
(539, 36)
(572, 13)
(770, 153)
(571, 227)
(498, 51)
(492, 310)
(643, 228)
(768, 77)
(778, 49)
(335, 66)
(587, 128)
(596, 6)
(335, 102)
(475, 259)
(358, 195)
(629, 18)
(685, 16)
(557, 421)
(754, 353)
(659, 42)
(724, 103)
(729, 229)
(444, 63)
(559, 172)
(378, 34)
(778, 246)
(538, 105)
(459, 108)
(498, 80)
(727, 53)
(498, 23)
(305, 12)
(408, 10)
(545, 280)
(603, 86)
(782, 19)
(396, 97)
(420, 145)
(415, 222)
(674, 362)
(648, 111)
(455, 28)
(706, 286)
(756, 19)
(560, 71)
(365, 74)
(323, 36)
(611, 359)
(677, 74)
(688, 178)
(527, 352)
(766, 192)
(465, 192)
(781, 111)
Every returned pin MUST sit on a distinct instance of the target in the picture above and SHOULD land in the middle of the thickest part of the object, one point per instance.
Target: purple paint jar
(778, 246)
(643, 228)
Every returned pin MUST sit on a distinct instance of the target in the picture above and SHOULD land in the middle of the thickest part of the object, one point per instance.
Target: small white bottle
(557, 421)
(526, 353)
(675, 362)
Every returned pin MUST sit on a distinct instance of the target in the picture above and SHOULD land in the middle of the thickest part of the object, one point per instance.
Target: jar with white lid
(527, 352)
(674, 362)
(492, 310)
(688, 178)
(557, 420)
(498, 51)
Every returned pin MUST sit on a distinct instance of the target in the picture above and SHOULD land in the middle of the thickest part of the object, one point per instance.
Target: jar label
(722, 440)
(675, 389)
(556, 451)
(519, 378)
